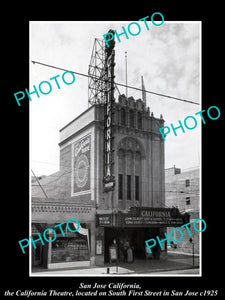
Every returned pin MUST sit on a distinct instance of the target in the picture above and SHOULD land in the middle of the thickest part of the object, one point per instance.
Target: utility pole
(126, 72)
(193, 251)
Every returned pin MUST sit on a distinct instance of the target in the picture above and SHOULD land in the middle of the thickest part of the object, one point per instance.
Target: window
(137, 180)
(129, 176)
(121, 168)
(187, 182)
(70, 248)
(136, 187)
(188, 201)
(128, 187)
(120, 191)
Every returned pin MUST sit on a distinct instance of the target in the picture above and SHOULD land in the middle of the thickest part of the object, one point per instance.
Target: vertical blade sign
(109, 178)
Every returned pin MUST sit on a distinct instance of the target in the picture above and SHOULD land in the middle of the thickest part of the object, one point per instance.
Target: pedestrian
(148, 255)
(156, 251)
(125, 248)
(121, 250)
(129, 255)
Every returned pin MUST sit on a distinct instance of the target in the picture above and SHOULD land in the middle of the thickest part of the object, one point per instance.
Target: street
(174, 272)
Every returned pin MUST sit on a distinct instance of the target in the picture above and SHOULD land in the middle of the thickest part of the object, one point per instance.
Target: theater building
(132, 210)
(111, 179)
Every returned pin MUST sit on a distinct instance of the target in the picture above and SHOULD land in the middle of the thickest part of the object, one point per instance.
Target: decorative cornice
(60, 208)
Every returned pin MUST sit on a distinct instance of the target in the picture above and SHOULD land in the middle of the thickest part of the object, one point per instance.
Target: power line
(174, 184)
(116, 83)
(39, 184)
(195, 192)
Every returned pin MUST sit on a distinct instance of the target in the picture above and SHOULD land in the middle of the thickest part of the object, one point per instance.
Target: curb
(154, 271)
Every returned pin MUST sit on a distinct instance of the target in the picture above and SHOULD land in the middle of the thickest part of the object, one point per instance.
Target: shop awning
(82, 231)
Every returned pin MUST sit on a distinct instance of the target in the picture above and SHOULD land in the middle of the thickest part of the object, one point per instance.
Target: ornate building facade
(131, 211)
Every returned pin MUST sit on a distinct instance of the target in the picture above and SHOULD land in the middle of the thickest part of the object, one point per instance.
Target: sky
(167, 56)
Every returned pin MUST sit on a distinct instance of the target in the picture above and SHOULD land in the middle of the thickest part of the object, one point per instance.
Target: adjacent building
(182, 190)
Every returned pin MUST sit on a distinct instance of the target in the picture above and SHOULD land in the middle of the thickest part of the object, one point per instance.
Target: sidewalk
(174, 262)
(145, 267)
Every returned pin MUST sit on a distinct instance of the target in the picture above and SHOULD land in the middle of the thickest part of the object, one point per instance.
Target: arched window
(130, 174)
(121, 169)
(137, 176)
(131, 156)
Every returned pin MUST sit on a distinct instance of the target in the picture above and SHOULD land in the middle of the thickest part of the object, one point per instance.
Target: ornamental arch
(130, 157)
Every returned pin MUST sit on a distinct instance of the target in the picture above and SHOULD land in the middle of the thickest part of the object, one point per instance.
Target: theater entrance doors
(134, 237)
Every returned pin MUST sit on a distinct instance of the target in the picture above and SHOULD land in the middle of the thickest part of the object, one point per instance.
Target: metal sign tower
(97, 74)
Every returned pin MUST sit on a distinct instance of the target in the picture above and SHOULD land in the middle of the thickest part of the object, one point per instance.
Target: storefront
(67, 250)
(72, 250)
(135, 227)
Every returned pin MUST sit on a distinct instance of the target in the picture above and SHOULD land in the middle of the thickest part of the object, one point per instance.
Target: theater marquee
(144, 217)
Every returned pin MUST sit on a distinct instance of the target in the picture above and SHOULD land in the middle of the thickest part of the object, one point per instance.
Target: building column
(92, 243)
(49, 251)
